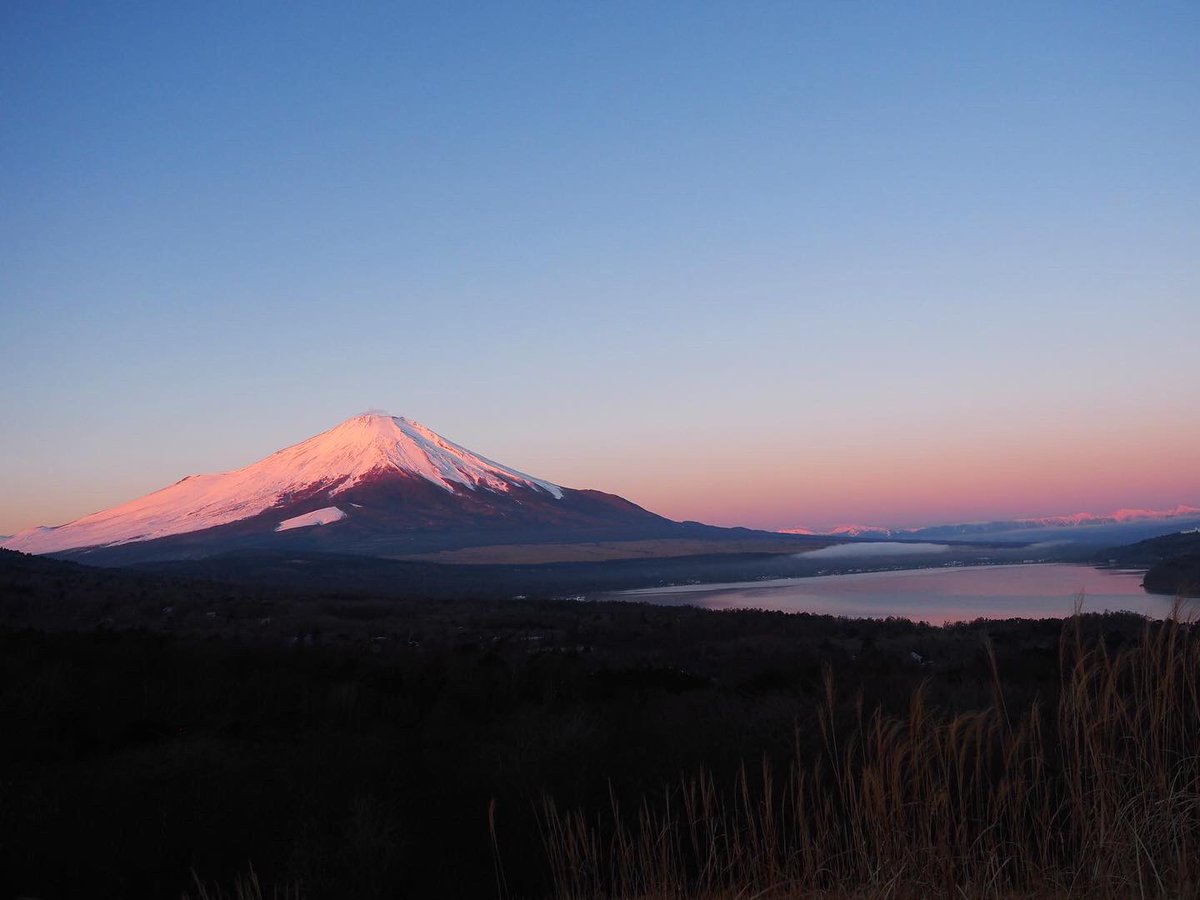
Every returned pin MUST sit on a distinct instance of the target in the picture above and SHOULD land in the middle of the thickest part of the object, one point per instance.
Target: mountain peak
(375, 441)
(372, 419)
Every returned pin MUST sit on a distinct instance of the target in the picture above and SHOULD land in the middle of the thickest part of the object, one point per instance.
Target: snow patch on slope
(326, 516)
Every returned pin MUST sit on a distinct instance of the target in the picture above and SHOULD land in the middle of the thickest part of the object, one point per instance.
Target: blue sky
(764, 264)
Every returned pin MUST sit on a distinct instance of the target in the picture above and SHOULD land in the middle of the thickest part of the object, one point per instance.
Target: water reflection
(932, 595)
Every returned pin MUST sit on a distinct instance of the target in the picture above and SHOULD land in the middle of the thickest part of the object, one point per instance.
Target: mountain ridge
(1081, 520)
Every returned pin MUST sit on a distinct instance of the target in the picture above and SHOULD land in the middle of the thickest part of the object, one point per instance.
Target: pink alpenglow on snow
(1120, 515)
(333, 461)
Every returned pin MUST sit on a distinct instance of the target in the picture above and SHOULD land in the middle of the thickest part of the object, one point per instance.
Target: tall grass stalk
(245, 887)
(1096, 796)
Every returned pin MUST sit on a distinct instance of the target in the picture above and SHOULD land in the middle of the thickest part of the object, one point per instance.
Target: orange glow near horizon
(904, 482)
(886, 477)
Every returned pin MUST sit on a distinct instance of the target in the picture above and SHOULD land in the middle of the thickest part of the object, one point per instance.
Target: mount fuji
(374, 485)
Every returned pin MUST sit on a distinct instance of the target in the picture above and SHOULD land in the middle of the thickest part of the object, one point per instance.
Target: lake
(937, 595)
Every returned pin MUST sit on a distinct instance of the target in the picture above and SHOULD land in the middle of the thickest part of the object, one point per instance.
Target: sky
(767, 264)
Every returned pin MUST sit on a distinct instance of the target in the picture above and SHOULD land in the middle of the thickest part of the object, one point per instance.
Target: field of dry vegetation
(1097, 795)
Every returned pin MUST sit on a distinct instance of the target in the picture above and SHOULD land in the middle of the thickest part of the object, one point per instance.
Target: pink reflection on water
(937, 596)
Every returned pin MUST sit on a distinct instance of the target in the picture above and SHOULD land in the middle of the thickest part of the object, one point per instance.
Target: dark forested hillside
(1172, 561)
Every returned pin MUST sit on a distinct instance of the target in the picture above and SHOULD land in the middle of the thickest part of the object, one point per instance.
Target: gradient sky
(769, 264)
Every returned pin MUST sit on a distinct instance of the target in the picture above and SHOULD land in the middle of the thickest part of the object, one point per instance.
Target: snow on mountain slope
(332, 462)
(326, 516)
(1120, 515)
(847, 531)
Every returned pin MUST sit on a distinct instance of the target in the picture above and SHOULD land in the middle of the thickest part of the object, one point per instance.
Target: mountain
(1122, 524)
(373, 485)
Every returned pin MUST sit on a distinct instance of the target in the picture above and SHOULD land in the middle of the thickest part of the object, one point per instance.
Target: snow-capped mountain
(373, 484)
(1115, 517)
(1076, 525)
(873, 531)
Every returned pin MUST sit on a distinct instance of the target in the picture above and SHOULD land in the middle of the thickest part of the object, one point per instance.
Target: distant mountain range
(1130, 524)
(374, 485)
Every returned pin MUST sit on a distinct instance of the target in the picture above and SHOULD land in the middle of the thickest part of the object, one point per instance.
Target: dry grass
(245, 887)
(1095, 795)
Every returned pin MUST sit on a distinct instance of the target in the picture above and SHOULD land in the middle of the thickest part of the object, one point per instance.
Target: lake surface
(933, 595)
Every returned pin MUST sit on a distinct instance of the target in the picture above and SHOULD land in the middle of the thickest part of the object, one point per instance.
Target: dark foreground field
(355, 747)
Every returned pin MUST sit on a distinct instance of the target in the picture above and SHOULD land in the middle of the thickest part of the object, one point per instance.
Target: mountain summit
(376, 443)
(375, 484)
